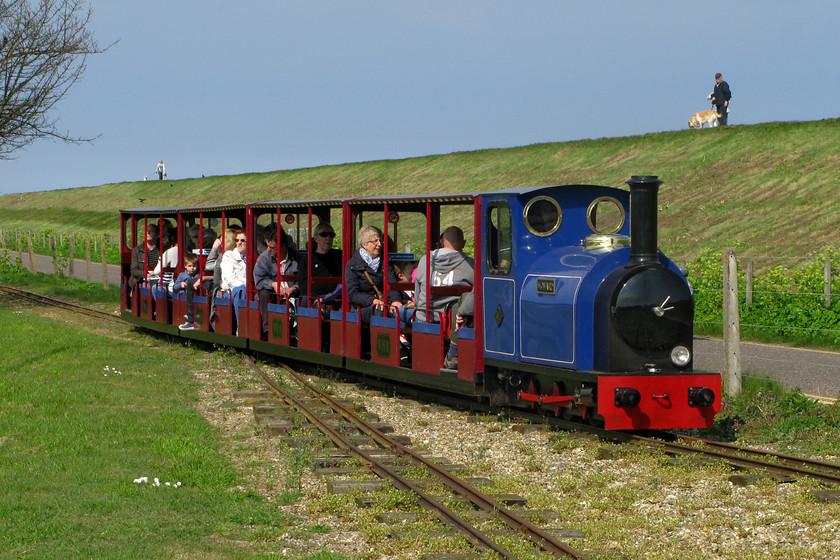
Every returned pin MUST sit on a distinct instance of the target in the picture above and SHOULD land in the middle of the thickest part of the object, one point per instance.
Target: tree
(44, 45)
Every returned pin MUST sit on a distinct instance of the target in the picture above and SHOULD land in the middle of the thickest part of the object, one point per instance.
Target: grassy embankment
(768, 189)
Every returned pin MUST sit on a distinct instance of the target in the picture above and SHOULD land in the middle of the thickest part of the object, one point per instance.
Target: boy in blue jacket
(188, 280)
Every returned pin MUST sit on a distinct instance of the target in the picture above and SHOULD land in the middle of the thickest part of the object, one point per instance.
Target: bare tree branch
(44, 45)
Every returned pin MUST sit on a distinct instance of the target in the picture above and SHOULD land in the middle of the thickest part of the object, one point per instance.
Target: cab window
(498, 237)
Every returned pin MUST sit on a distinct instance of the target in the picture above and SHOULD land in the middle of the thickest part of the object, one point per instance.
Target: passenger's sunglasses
(329, 234)
(240, 240)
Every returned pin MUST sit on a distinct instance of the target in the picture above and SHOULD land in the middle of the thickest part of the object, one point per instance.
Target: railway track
(380, 467)
(748, 457)
(53, 302)
(738, 455)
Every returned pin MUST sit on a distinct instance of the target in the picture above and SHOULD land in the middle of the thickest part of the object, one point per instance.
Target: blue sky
(217, 88)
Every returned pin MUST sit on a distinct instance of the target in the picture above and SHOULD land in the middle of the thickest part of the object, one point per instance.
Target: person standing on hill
(721, 97)
(161, 170)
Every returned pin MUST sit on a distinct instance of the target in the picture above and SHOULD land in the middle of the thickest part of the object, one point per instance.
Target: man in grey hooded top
(450, 267)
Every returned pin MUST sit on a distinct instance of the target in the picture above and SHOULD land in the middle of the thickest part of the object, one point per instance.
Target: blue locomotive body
(540, 308)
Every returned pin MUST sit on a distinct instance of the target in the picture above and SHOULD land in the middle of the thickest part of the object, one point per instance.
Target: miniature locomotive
(576, 311)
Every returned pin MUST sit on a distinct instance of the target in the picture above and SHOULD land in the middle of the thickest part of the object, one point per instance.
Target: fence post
(827, 286)
(20, 247)
(104, 265)
(71, 272)
(731, 323)
(749, 288)
(54, 258)
(87, 255)
(31, 253)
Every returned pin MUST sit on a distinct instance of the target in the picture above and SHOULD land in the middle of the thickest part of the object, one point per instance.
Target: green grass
(768, 412)
(81, 417)
(767, 188)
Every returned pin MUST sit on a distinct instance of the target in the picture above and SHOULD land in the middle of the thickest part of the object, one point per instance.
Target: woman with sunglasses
(234, 270)
(326, 261)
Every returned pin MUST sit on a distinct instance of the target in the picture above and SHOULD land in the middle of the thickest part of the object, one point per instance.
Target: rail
(481, 500)
(53, 302)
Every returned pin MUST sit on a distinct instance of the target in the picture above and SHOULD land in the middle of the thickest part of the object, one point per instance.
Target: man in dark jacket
(266, 272)
(721, 97)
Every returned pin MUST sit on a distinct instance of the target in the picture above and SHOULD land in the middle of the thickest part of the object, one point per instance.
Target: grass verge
(13, 273)
(766, 412)
(82, 416)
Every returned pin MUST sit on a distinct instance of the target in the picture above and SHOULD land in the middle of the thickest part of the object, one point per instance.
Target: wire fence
(783, 295)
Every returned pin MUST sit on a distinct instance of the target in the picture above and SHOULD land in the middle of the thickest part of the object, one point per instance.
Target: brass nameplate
(547, 286)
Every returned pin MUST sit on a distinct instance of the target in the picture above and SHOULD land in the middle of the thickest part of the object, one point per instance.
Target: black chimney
(644, 243)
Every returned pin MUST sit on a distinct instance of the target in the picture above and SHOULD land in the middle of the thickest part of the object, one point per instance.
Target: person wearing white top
(234, 271)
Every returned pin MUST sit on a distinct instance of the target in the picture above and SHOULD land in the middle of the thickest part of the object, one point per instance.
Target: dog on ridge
(709, 117)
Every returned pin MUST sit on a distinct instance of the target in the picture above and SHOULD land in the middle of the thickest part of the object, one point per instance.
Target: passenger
(189, 280)
(266, 270)
(464, 311)
(234, 273)
(259, 246)
(403, 271)
(450, 267)
(145, 256)
(208, 240)
(169, 258)
(192, 238)
(363, 276)
(212, 259)
(229, 245)
(326, 262)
